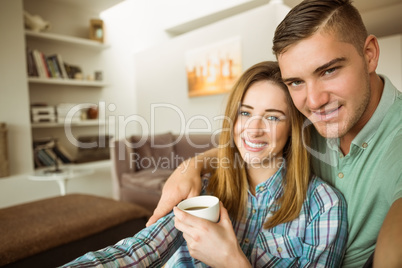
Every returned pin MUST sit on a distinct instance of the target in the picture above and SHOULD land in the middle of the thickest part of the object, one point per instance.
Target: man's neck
(377, 88)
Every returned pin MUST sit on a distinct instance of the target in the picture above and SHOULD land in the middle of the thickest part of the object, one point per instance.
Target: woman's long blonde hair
(229, 181)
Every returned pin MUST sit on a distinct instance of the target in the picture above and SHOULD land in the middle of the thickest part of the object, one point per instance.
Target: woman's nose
(256, 125)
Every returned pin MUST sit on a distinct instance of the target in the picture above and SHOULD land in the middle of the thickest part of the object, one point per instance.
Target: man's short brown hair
(339, 17)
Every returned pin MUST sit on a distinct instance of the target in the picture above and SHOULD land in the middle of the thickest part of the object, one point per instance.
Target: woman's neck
(259, 174)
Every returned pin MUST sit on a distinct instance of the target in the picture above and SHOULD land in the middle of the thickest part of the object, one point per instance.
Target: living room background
(144, 66)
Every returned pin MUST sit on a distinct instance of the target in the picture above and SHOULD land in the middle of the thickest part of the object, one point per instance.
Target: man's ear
(371, 53)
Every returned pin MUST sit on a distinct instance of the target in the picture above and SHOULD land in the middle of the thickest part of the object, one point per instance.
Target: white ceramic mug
(204, 206)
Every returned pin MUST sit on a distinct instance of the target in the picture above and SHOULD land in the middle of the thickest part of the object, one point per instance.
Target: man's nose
(317, 96)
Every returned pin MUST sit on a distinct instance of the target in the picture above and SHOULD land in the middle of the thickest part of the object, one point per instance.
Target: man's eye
(330, 71)
(295, 83)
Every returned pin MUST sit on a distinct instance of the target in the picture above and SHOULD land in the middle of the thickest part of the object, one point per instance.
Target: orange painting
(213, 69)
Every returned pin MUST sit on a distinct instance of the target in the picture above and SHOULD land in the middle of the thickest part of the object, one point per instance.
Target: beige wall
(390, 63)
(14, 104)
(160, 76)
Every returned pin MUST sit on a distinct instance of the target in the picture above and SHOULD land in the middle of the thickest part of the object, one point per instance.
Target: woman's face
(263, 126)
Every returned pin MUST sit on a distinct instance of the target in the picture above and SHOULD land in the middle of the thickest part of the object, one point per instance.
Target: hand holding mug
(204, 206)
(213, 243)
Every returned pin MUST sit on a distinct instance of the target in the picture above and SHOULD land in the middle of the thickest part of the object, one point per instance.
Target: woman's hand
(215, 244)
(185, 182)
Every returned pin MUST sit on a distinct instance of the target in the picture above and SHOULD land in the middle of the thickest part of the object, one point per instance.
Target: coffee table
(60, 176)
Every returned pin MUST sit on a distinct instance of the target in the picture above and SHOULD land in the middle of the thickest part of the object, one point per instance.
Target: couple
(273, 212)
(328, 63)
(281, 216)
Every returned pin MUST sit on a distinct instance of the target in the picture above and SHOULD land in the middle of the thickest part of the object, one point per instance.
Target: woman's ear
(371, 53)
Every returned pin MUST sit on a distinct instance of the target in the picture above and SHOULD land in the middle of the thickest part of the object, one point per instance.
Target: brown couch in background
(141, 165)
(53, 231)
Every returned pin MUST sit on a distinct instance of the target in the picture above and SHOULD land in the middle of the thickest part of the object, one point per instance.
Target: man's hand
(388, 252)
(185, 182)
(215, 244)
(182, 184)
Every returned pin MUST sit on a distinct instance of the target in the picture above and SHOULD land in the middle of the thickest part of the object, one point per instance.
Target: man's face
(329, 83)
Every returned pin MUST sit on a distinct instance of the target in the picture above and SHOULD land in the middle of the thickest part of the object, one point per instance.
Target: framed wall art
(96, 31)
(213, 69)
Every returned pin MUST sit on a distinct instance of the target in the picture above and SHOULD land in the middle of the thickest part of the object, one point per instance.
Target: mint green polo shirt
(369, 177)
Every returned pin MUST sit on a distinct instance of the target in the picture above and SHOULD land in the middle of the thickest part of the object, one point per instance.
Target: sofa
(53, 231)
(142, 164)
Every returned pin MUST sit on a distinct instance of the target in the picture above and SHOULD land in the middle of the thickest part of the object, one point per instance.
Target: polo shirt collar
(387, 99)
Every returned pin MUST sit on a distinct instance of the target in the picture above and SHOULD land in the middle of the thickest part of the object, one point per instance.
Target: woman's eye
(244, 113)
(272, 118)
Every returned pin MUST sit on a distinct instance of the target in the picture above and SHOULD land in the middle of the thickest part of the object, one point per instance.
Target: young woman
(273, 212)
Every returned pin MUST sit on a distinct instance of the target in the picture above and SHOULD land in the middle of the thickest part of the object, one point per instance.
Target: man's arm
(184, 182)
(388, 252)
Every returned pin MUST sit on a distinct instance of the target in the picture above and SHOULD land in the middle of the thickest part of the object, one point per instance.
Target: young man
(328, 63)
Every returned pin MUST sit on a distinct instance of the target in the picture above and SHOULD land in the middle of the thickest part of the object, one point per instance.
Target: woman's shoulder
(324, 195)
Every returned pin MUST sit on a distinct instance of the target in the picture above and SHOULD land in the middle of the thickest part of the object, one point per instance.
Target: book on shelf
(52, 66)
(45, 158)
(64, 156)
(37, 161)
(53, 155)
(41, 159)
(59, 65)
(64, 153)
(31, 66)
(47, 151)
(62, 66)
(45, 66)
(39, 63)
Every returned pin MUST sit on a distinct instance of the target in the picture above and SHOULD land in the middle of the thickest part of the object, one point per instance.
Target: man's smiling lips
(326, 114)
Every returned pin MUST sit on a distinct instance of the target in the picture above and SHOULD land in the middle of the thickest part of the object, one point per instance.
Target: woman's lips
(254, 146)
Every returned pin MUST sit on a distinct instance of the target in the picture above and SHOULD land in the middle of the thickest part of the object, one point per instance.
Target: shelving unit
(84, 123)
(67, 82)
(58, 38)
(49, 90)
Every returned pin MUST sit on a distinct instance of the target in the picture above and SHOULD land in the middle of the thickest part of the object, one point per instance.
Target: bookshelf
(67, 82)
(58, 38)
(84, 123)
(56, 90)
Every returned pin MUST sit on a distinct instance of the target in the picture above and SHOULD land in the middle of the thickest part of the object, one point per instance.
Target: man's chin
(329, 131)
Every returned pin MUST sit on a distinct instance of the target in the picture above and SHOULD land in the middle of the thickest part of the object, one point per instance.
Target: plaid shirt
(315, 239)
